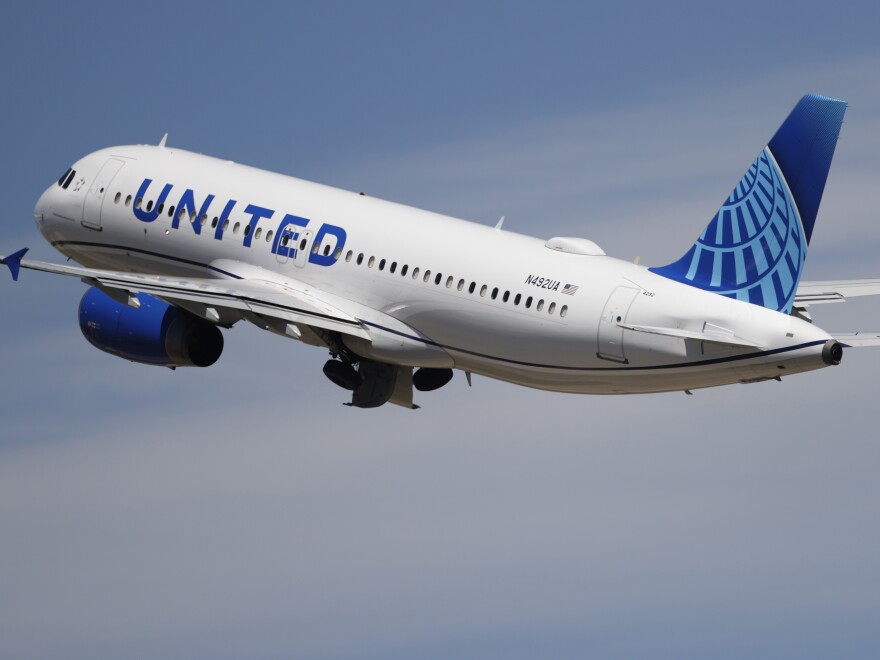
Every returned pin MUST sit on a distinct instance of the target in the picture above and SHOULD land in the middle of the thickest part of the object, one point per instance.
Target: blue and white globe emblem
(754, 248)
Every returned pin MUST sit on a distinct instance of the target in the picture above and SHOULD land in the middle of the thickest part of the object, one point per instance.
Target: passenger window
(371, 262)
(269, 235)
(236, 227)
(326, 250)
(204, 219)
(460, 285)
(427, 276)
(225, 225)
(393, 266)
(171, 210)
(338, 253)
(315, 246)
(472, 287)
(118, 196)
(138, 201)
(506, 296)
(540, 305)
(382, 265)
(258, 233)
(483, 290)
(150, 205)
(494, 293)
(449, 281)
(415, 274)
(528, 302)
(160, 208)
(564, 310)
(517, 299)
(360, 259)
(302, 244)
(128, 200)
(247, 228)
(403, 270)
(552, 308)
(438, 278)
(348, 256)
(285, 240)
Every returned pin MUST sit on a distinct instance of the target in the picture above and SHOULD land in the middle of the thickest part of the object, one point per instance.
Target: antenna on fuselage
(163, 141)
(498, 225)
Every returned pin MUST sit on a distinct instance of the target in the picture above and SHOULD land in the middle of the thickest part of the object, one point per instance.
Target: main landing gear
(375, 383)
(342, 374)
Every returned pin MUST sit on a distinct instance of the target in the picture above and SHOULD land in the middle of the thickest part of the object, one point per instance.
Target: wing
(813, 293)
(280, 301)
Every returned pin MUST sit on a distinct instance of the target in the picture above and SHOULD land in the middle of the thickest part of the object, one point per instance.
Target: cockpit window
(65, 180)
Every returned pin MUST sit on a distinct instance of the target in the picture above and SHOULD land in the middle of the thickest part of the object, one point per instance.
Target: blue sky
(242, 511)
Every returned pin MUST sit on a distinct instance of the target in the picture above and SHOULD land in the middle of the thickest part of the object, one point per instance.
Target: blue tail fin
(755, 246)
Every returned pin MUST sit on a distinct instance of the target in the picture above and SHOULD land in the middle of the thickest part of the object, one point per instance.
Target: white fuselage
(493, 303)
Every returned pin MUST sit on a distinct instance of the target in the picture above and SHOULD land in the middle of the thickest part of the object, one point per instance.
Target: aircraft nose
(42, 209)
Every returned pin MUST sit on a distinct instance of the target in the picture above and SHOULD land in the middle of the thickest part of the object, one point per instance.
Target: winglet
(13, 262)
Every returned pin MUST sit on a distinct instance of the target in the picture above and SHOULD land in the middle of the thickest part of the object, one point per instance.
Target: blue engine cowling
(155, 333)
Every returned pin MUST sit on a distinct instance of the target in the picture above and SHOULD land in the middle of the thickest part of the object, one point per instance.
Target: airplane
(176, 245)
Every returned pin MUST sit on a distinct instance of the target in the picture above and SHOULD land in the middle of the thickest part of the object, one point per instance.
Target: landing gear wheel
(342, 374)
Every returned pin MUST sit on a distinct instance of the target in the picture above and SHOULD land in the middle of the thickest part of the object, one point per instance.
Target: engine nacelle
(155, 333)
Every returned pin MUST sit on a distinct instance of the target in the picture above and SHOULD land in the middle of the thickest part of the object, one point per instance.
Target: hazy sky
(242, 511)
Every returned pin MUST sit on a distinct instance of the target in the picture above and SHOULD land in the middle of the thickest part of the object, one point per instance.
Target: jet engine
(153, 333)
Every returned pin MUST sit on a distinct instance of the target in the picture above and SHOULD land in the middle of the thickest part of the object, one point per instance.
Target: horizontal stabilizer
(814, 293)
(859, 339)
(717, 338)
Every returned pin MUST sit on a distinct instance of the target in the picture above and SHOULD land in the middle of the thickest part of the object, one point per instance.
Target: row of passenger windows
(450, 281)
(392, 268)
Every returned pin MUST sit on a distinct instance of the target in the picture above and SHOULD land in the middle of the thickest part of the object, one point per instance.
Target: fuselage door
(610, 338)
(91, 213)
(303, 248)
(286, 243)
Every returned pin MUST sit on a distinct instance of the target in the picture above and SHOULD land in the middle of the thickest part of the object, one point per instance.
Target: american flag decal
(569, 289)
